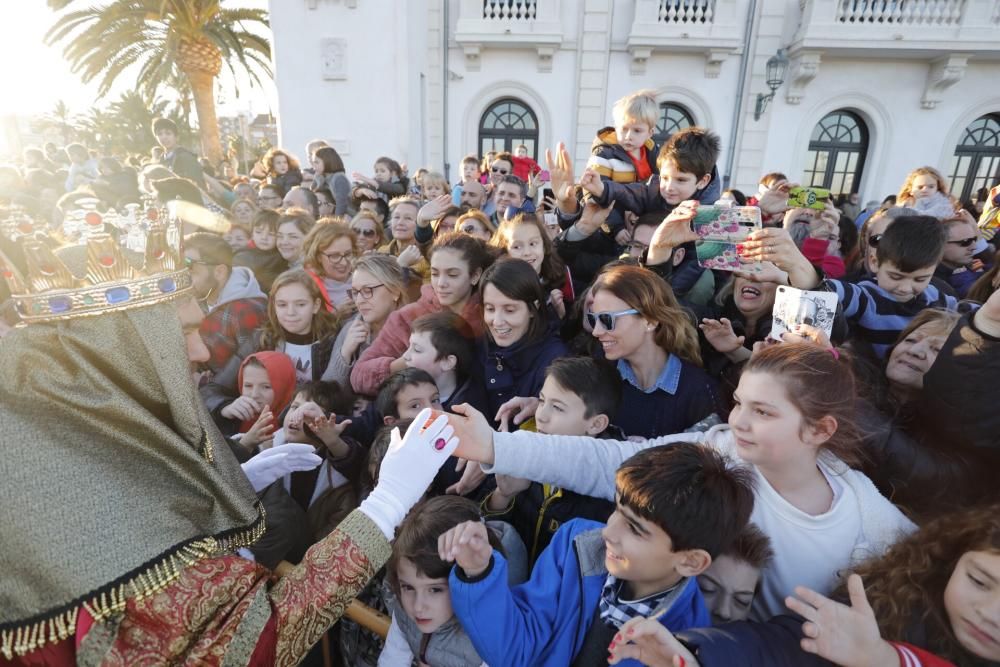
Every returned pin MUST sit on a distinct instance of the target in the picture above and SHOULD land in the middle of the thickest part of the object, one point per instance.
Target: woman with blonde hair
(329, 253)
(369, 230)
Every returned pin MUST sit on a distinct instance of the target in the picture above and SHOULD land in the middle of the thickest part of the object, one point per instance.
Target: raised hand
(805, 333)
(774, 245)
(475, 435)
(592, 183)
(557, 300)
(517, 410)
(720, 335)
(262, 431)
(649, 642)
(775, 199)
(674, 231)
(593, 217)
(468, 545)
(357, 334)
(472, 477)
(846, 635)
(243, 409)
(563, 181)
(763, 272)
(409, 256)
(329, 431)
(433, 209)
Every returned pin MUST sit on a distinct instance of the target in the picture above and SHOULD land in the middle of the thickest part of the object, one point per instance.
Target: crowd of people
(643, 473)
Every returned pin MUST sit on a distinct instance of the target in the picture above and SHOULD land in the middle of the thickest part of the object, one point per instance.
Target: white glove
(274, 463)
(408, 469)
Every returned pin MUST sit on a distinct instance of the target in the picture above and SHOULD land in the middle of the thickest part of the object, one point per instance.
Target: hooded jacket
(231, 322)
(280, 373)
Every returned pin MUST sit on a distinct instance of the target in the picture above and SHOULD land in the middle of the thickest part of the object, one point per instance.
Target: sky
(34, 76)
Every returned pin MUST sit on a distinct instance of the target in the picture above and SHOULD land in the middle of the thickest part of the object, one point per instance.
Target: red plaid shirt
(230, 327)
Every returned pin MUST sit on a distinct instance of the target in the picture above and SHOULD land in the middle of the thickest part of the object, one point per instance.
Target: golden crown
(109, 277)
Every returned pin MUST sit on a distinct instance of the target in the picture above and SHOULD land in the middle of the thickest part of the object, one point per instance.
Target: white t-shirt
(302, 358)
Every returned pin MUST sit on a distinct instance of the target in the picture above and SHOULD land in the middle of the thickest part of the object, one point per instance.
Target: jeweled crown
(119, 262)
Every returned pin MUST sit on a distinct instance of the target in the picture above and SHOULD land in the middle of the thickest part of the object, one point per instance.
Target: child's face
(903, 286)
(913, 356)
(470, 170)
(237, 238)
(167, 139)
(923, 186)
(293, 426)
(257, 385)
(526, 243)
(382, 173)
(728, 587)
(507, 319)
(972, 602)
(280, 164)
(426, 601)
(432, 190)
(413, 398)
(769, 429)
(640, 553)
(630, 334)
(243, 212)
(677, 186)
(317, 165)
(632, 134)
(295, 308)
(562, 412)
(404, 222)
(422, 354)
(263, 237)
(521, 151)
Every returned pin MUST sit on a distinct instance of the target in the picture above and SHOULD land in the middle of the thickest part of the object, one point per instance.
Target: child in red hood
(267, 385)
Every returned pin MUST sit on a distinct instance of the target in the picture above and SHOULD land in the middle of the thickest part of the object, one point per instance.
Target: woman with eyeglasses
(369, 232)
(330, 250)
(519, 343)
(377, 288)
(457, 262)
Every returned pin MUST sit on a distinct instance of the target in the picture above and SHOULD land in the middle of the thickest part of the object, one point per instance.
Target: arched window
(837, 152)
(976, 164)
(673, 117)
(506, 124)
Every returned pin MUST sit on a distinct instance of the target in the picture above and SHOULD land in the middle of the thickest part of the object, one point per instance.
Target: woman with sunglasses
(519, 343)
(377, 288)
(369, 231)
(330, 249)
(641, 328)
(457, 262)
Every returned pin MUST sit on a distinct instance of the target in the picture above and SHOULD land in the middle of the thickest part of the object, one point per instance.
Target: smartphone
(720, 229)
(546, 193)
(800, 197)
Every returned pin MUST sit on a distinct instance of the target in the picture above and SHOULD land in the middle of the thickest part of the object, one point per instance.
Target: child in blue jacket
(676, 509)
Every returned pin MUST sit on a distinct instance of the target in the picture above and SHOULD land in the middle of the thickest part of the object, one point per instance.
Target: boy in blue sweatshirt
(676, 509)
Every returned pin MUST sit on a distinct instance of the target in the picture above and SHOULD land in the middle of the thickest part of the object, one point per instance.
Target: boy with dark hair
(878, 310)
(677, 508)
(444, 345)
(579, 397)
(404, 394)
(175, 157)
(686, 165)
(730, 583)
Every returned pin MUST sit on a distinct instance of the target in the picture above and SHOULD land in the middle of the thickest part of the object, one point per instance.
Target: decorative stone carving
(713, 62)
(639, 54)
(943, 73)
(334, 58)
(804, 68)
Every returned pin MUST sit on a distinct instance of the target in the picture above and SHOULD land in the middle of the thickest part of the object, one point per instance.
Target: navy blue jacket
(645, 197)
(518, 370)
(771, 644)
(661, 413)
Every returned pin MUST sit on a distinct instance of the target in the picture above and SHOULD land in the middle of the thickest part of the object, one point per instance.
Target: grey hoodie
(242, 284)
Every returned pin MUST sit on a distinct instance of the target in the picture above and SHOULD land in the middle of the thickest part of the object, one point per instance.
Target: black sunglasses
(965, 243)
(874, 239)
(495, 170)
(367, 233)
(608, 320)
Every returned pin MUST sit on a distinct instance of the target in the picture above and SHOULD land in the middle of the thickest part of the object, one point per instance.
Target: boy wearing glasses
(958, 266)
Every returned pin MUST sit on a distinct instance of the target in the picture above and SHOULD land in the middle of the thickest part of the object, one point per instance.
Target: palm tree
(195, 37)
(60, 118)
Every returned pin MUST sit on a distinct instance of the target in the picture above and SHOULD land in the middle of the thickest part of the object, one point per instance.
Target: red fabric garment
(525, 167)
(912, 656)
(641, 164)
(281, 372)
(373, 366)
(815, 251)
(327, 301)
(225, 327)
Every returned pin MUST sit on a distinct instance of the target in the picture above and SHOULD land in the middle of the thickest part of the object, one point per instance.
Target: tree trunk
(203, 91)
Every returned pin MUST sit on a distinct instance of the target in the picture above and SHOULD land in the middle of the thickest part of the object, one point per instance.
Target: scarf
(281, 373)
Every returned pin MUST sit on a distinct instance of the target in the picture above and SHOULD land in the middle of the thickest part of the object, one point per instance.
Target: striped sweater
(875, 317)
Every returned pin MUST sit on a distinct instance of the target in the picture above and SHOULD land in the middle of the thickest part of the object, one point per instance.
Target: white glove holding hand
(274, 463)
(408, 469)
